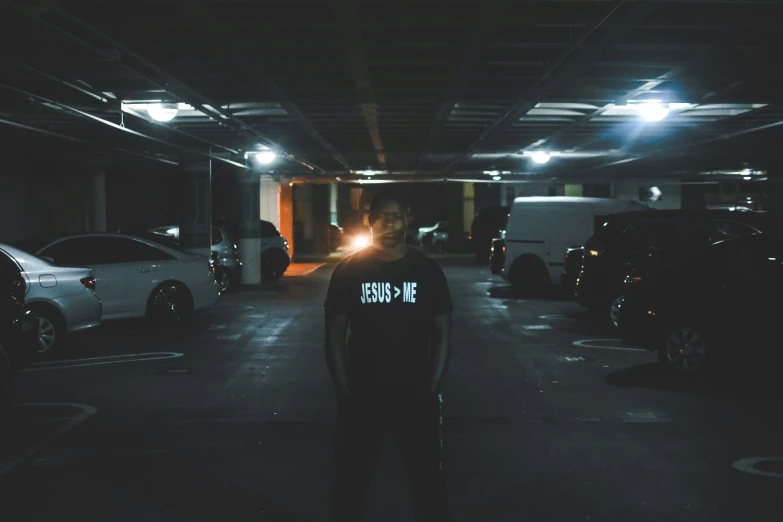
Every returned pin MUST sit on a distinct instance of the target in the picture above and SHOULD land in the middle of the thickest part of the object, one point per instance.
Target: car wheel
(685, 351)
(51, 328)
(614, 311)
(169, 304)
(224, 280)
(273, 265)
(439, 246)
(529, 276)
(7, 370)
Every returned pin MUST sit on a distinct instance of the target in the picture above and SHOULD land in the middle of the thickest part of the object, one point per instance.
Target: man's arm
(335, 342)
(441, 350)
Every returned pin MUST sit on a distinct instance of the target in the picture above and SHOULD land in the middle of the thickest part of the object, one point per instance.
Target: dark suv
(18, 326)
(649, 241)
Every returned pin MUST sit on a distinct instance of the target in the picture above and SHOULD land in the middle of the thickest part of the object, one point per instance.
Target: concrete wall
(36, 204)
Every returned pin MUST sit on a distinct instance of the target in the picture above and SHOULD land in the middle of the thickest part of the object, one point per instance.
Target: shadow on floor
(749, 383)
(553, 293)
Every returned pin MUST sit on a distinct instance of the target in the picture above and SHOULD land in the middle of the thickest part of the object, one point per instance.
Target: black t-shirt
(391, 306)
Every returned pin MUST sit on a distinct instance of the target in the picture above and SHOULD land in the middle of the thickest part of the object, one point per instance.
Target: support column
(195, 211)
(468, 206)
(98, 206)
(249, 240)
(321, 213)
(286, 206)
(270, 202)
(333, 191)
(456, 216)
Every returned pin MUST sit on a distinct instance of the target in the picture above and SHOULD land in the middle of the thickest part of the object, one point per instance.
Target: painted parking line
(748, 465)
(605, 344)
(40, 447)
(97, 361)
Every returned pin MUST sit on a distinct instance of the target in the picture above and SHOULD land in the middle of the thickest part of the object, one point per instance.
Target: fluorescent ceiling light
(265, 157)
(540, 156)
(652, 111)
(161, 112)
(496, 178)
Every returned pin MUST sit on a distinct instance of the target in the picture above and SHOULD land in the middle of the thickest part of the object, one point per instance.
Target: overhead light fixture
(162, 112)
(496, 178)
(747, 178)
(541, 157)
(652, 111)
(265, 157)
(491, 172)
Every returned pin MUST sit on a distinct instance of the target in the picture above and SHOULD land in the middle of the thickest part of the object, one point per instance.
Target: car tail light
(18, 289)
(88, 282)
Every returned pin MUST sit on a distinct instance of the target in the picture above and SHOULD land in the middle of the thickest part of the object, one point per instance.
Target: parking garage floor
(547, 417)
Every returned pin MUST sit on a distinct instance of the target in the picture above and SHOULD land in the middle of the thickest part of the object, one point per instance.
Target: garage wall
(137, 200)
(34, 204)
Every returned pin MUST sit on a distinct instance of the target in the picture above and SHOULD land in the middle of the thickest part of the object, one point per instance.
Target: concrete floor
(231, 418)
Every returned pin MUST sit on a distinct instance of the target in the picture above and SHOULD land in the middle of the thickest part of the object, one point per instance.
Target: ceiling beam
(238, 56)
(558, 72)
(345, 12)
(157, 76)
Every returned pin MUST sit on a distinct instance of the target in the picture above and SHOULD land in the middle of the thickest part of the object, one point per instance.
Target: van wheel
(529, 276)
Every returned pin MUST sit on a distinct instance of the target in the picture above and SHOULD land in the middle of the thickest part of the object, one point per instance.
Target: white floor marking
(536, 327)
(86, 413)
(748, 465)
(596, 343)
(97, 361)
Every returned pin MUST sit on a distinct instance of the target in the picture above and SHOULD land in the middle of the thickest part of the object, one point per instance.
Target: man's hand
(335, 345)
(441, 350)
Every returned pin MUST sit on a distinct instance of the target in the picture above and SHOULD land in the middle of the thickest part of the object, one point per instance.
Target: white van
(540, 230)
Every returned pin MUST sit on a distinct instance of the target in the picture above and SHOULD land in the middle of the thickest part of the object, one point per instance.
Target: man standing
(387, 376)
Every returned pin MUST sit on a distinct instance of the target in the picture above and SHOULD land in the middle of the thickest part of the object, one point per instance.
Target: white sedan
(62, 297)
(136, 277)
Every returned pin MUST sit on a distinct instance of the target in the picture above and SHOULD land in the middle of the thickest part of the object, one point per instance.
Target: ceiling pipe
(72, 139)
(676, 151)
(113, 125)
(105, 100)
(175, 88)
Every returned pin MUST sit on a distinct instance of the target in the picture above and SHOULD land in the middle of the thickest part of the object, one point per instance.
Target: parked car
(275, 258)
(62, 297)
(721, 304)
(230, 274)
(336, 234)
(497, 256)
(424, 236)
(18, 325)
(440, 237)
(572, 268)
(540, 229)
(487, 225)
(138, 277)
(646, 240)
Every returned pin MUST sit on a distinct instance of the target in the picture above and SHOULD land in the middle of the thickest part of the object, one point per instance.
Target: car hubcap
(169, 303)
(47, 335)
(614, 310)
(685, 350)
(225, 281)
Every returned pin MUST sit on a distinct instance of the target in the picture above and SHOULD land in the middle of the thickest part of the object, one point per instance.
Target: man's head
(388, 219)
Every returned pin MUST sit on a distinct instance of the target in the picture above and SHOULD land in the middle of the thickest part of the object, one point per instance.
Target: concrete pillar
(286, 207)
(468, 206)
(333, 191)
(98, 206)
(321, 216)
(249, 226)
(195, 210)
(488, 195)
(456, 216)
(270, 202)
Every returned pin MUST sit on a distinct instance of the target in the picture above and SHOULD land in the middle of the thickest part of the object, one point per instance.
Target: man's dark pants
(362, 421)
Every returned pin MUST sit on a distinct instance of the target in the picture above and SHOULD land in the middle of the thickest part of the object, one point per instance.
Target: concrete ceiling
(412, 90)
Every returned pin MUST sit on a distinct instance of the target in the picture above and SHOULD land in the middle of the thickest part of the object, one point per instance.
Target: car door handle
(144, 270)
